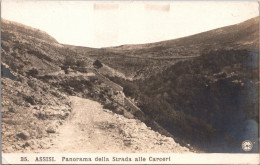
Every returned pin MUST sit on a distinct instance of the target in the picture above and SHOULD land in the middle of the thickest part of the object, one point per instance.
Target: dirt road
(92, 129)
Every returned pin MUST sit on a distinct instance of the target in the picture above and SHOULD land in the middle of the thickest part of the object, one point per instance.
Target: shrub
(98, 64)
(66, 71)
(69, 61)
(110, 106)
(33, 72)
(80, 63)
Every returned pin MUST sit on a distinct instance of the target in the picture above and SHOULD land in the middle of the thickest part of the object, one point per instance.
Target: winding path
(92, 129)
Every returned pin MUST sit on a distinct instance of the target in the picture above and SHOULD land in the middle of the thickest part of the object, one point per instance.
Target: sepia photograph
(128, 77)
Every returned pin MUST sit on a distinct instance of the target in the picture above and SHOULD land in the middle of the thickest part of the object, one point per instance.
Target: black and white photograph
(129, 77)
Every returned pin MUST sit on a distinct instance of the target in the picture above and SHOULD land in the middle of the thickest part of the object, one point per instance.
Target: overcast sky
(103, 24)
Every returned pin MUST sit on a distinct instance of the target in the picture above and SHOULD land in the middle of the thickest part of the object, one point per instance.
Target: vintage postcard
(129, 82)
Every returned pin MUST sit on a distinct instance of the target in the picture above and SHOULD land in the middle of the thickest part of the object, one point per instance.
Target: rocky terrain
(190, 94)
(38, 77)
(31, 110)
(92, 129)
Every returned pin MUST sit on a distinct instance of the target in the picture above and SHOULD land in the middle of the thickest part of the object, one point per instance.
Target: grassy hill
(25, 48)
(210, 101)
(143, 60)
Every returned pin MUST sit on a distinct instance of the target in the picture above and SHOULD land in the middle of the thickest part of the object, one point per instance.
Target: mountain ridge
(44, 35)
(144, 60)
(254, 20)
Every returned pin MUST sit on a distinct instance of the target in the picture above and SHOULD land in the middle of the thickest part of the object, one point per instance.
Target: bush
(110, 106)
(33, 72)
(69, 61)
(80, 63)
(98, 64)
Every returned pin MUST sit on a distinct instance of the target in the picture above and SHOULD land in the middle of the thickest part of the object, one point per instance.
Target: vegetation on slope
(207, 101)
(144, 60)
(206, 98)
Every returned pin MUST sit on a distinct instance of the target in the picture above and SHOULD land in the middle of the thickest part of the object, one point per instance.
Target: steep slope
(30, 110)
(140, 61)
(25, 48)
(207, 99)
(38, 76)
(210, 101)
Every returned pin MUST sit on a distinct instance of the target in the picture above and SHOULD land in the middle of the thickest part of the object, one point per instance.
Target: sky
(104, 24)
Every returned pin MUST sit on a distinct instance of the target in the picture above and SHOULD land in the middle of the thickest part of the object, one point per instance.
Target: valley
(144, 60)
(194, 94)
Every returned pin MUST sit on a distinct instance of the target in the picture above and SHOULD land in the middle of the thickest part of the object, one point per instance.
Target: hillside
(210, 101)
(38, 77)
(143, 60)
(200, 91)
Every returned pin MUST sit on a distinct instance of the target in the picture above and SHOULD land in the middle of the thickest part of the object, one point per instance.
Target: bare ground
(92, 129)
